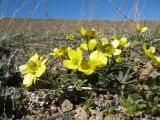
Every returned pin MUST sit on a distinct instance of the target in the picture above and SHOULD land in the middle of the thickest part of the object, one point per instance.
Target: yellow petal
(123, 42)
(114, 37)
(143, 29)
(109, 50)
(87, 33)
(152, 49)
(69, 64)
(72, 54)
(84, 46)
(75, 59)
(86, 67)
(98, 59)
(156, 61)
(104, 41)
(75, 56)
(79, 52)
(92, 44)
(28, 80)
(91, 33)
(115, 43)
(117, 52)
(144, 46)
(56, 52)
(69, 37)
(82, 31)
(40, 70)
(34, 58)
(60, 52)
(32, 64)
(148, 52)
(23, 69)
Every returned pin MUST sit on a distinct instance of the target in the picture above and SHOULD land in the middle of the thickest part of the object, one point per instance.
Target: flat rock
(66, 106)
(81, 114)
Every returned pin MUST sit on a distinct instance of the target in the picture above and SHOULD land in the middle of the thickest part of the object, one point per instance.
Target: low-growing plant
(97, 63)
(89, 103)
(110, 110)
(93, 55)
(8, 98)
(133, 105)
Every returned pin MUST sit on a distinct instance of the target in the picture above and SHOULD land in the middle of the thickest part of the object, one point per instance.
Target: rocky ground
(42, 105)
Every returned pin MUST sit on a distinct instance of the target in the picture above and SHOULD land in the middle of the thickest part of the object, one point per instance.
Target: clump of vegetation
(95, 64)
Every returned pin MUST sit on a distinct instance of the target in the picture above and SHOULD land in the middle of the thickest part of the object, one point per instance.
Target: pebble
(81, 114)
(66, 106)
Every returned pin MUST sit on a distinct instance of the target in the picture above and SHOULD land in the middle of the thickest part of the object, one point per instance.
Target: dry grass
(68, 26)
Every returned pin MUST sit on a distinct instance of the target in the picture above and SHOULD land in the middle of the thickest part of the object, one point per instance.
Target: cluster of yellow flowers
(99, 50)
(150, 53)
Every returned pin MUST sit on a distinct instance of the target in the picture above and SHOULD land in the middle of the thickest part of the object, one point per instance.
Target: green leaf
(89, 103)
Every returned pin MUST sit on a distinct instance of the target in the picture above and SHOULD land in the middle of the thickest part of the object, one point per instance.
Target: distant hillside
(60, 26)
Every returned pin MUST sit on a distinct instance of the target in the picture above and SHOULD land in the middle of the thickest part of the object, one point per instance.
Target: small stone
(66, 106)
(81, 114)
(99, 115)
(158, 118)
(53, 109)
(145, 87)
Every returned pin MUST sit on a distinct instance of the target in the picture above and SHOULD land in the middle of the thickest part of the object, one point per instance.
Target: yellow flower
(86, 67)
(141, 29)
(92, 44)
(104, 41)
(91, 33)
(34, 68)
(86, 33)
(61, 51)
(123, 43)
(98, 59)
(75, 58)
(81, 31)
(148, 52)
(69, 37)
(119, 60)
(109, 49)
